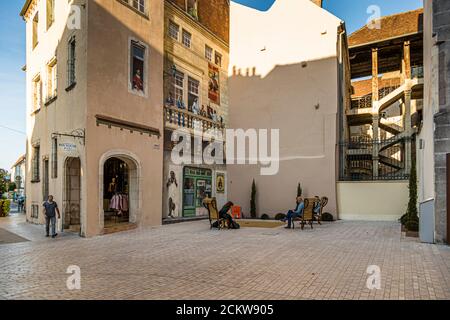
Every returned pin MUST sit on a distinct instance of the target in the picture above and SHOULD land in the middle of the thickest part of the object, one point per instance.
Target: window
(192, 8)
(179, 86)
(187, 39)
(137, 67)
(52, 80)
(193, 91)
(54, 158)
(208, 53)
(35, 164)
(50, 13)
(34, 211)
(71, 63)
(37, 93)
(139, 5)
(174, 30)
(218, 59)
(35, 30)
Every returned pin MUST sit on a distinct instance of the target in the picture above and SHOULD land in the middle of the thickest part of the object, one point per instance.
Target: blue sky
(12, 59)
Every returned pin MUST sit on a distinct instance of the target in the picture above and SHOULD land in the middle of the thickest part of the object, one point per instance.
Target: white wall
(372, 201)
(290, 32)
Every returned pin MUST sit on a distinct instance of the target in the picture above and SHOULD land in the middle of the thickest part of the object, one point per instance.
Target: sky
(12, 59)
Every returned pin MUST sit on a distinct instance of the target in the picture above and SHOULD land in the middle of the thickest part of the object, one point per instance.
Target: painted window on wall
(137, 66)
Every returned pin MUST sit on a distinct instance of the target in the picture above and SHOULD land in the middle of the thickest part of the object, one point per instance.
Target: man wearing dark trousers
(50, 211)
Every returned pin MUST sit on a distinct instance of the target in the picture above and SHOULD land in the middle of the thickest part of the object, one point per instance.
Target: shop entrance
(72, 195)
(116, 182)
(197, 185)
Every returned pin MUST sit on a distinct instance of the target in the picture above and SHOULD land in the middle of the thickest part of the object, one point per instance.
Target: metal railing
(181, 118)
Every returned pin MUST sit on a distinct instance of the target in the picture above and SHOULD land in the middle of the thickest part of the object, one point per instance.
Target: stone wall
(441, 28)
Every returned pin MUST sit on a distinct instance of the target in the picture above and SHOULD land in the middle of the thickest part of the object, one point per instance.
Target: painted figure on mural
(138, 83)
(172, 191)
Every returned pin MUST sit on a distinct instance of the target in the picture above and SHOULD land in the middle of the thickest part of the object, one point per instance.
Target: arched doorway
(72, 195)
(120, 189)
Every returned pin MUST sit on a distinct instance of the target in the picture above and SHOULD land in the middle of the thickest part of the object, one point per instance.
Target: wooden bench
(308, 214)
(323, 204)
(213, 214)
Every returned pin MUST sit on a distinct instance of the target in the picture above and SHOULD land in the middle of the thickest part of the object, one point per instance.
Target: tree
(3, 181)
(253, 201)
(12, 186)
(412, 217)
(299, 190)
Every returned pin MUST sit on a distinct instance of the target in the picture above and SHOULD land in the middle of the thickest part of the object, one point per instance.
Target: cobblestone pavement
(189, 261)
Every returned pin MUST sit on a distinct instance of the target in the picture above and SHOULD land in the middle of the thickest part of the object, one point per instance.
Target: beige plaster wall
(372, 201)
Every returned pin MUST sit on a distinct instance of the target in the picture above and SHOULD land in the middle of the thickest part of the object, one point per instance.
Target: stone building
(434, 137)
(196, 50)
(95, 112)
(18, 172)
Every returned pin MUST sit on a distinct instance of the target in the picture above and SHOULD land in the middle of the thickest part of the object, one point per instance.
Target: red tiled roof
(392, 26)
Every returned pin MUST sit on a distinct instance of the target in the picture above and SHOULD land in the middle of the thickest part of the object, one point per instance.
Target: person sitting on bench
(295, 213)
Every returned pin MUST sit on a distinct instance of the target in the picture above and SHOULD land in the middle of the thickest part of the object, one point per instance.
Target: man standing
(50, 211)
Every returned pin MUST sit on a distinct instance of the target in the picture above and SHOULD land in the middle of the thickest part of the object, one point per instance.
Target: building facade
(433, 138)
(377, 143)
(18, 172)
(196, 54)
(95, 112)
(295, 83)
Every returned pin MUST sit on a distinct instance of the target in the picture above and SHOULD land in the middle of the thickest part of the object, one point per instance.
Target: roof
(19, 161)
(393, 26)
(25, 7)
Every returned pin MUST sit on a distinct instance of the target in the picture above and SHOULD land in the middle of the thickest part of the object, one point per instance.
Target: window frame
(131, 44)
(175, 25)
(71, 60)
(177, 88)
(52, 80)
(186, 33)
(50, 14)
(35, 30)
(209, 50)
(37, 93)
(35, 163)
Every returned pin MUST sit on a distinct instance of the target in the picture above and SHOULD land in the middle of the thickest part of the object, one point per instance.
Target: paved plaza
(190, 261)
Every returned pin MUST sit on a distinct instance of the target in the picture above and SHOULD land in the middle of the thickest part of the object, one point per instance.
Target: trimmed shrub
(327, 217)
(265, 217)
(280, 216)
(253, 201)
(5, 207)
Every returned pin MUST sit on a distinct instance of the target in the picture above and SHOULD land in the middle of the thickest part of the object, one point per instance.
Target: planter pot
(412, 234)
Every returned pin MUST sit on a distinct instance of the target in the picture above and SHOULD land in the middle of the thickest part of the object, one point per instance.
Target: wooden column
(407, 60)
(375, 74)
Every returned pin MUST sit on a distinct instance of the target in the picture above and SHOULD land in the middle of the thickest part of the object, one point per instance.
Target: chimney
(318, 2)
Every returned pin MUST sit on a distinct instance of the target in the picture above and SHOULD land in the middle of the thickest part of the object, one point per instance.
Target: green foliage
(299, 190)
(5, 208)
(253, 201)
(3, 181)
(265, 217)
(12, 186)
(411, 219)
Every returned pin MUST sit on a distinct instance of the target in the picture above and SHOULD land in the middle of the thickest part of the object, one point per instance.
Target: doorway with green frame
(197, 185)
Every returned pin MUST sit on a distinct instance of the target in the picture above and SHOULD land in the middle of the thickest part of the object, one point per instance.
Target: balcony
(176, 118)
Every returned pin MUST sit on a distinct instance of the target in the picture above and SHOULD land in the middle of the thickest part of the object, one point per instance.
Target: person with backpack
(223, 214)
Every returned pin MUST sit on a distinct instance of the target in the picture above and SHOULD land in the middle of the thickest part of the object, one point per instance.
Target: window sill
(142, 14)
(35, 181)
(70, 87)
(36, 111)
(50, 100)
